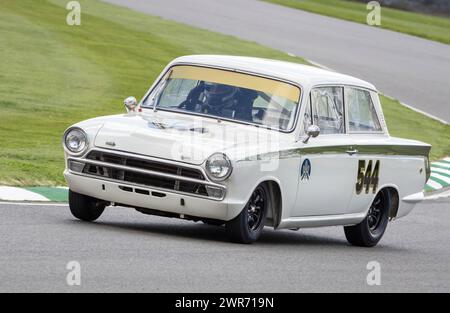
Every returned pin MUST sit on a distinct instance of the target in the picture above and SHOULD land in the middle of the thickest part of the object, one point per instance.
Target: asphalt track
(127, 251)
(414, 70)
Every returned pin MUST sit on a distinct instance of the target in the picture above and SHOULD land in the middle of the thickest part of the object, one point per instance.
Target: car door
(366, 128)
(327, 167)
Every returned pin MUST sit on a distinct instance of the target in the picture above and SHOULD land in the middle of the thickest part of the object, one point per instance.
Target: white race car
(247, 143)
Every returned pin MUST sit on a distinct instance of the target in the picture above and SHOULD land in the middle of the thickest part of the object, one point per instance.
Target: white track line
(33, 203)
(19, 194)
(318, 64)
(424, 113)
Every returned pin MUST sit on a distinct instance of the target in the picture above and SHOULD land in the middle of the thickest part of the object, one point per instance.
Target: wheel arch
(277, 202)
(395, 200)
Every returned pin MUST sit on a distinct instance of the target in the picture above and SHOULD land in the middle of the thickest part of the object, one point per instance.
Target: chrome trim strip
(322, 220)
(338, 84)
(405, 150)
(398, 150)
(147, 172)
(126, 183)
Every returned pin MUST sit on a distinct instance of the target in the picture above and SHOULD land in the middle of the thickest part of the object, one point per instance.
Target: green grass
(53, 75)
(416, 24)
(406, 123)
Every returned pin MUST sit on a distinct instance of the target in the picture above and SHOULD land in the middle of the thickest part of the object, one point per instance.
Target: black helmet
(219, 94)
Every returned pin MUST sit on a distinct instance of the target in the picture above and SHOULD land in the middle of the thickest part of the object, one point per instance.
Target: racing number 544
(367, 177)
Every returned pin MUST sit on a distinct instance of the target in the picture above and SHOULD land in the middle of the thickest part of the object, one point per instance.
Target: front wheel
(248, 225)
(369, 232)
(85, 208)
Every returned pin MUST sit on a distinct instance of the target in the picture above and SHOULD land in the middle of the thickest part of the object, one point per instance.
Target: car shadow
(203, 232)
(185, 229)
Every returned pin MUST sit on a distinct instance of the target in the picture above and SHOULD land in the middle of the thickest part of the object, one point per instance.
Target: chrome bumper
(146, 197)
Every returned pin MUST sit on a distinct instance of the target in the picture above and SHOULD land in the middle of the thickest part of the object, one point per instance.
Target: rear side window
(362, 116)
(328, 109)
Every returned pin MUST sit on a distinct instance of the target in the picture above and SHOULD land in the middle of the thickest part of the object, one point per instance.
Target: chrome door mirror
(130, 104)
(312, 131)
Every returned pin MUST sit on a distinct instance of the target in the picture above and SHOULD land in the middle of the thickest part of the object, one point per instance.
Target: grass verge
(416, 24)
(53, 75)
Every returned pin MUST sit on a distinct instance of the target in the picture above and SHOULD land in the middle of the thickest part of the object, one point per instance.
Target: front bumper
(146, 197)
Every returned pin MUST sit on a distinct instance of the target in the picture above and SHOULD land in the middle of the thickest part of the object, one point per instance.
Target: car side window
(362, 116)
(328, 109)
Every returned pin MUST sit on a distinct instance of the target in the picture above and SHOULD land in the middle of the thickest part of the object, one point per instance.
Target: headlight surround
(75, 140)
(218, 167)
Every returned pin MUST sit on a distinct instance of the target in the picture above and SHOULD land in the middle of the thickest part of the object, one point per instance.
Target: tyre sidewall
(240, 223)
(375, 236)
(84, 207)
(361, 235)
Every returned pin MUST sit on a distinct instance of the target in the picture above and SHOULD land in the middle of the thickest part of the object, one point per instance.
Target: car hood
(181, 137)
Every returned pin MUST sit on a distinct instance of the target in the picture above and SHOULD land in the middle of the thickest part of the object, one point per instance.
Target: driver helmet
(219, 94)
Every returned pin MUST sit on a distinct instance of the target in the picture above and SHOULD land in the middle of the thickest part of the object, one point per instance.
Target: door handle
(352, 151)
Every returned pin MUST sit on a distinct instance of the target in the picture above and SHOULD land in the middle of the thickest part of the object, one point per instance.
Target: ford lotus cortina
(246, 143)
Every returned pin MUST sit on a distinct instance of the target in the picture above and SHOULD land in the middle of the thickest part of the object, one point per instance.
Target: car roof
(304, 75)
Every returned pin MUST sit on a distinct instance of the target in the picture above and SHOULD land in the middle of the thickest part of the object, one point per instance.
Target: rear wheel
(370, 231)
(84, 207)
(248, 225)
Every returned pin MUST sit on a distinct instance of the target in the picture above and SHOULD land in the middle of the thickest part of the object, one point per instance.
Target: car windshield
(226, 94)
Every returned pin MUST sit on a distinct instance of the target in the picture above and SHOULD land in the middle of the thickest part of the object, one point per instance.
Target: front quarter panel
(248, 174)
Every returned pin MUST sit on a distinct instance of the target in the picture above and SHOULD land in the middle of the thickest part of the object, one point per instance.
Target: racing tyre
(248, 225)
(85, 208)
(369, 232)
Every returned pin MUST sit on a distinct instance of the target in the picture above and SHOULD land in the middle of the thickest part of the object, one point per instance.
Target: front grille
(145, 164)
(150, 173)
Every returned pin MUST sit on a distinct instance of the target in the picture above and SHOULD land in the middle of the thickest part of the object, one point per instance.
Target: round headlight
(218, 167)
(75, 140)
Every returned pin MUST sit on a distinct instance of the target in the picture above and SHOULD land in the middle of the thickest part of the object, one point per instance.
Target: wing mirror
(312, 131)
(130, 104)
